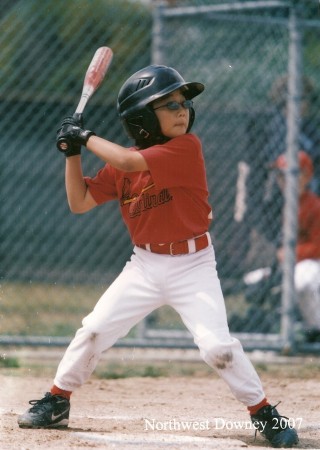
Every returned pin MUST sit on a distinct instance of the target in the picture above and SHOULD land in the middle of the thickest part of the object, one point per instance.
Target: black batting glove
(71, 135)
(76, 120)
(67, 147)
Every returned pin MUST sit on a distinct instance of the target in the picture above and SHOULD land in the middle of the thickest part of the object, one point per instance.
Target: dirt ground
(175, 412)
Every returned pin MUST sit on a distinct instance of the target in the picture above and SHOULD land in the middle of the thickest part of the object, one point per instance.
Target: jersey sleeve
(309, 246)
(173, 164)
(102, 187)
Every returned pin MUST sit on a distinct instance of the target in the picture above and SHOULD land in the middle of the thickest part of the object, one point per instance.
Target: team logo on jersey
(144, 201)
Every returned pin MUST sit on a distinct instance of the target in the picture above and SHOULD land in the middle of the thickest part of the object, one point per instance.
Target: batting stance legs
(188, 283)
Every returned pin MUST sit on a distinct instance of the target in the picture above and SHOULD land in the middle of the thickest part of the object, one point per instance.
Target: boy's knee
(217, 354)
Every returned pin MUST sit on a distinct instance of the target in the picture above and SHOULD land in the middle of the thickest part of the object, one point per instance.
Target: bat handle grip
(83, 101)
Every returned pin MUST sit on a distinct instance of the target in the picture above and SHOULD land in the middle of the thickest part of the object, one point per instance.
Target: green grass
(44, 309)
(38, 309)
(110, 369)
(114, 368)
(9, 362)
(115, 371)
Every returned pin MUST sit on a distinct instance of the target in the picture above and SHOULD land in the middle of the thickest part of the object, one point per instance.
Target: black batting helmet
(140, 90)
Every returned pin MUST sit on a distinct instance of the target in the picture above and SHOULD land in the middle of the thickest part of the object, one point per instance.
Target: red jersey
(308, 241)
(167, 203)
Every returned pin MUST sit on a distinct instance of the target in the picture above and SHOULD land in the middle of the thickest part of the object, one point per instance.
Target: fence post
(291, 191)
(157, 40)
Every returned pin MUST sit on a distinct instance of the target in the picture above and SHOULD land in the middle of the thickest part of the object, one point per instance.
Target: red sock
(57, 391)
(254, 409)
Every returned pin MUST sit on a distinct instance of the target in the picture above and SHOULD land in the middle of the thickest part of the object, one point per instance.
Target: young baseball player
(161, 186)
(307, 269)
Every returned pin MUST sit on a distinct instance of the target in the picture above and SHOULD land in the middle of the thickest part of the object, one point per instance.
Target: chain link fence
(55, 265)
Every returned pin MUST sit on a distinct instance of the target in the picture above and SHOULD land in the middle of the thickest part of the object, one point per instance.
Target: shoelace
(37, 403)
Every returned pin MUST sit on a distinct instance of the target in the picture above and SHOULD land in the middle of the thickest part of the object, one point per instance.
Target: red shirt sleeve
(102, 187)
(173, 163)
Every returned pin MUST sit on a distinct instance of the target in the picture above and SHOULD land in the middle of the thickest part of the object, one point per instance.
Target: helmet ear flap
(141, 126)
(135, 127)
(192, 116)
(144, 127)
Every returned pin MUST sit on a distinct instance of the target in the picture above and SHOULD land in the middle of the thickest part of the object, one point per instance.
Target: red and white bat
(94, 76)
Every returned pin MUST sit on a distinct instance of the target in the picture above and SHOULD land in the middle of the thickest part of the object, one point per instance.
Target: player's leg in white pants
(307, 283)
(194, 291)
(129, 299)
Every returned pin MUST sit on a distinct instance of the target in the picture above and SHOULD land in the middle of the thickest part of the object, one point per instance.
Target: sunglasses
(175, 106)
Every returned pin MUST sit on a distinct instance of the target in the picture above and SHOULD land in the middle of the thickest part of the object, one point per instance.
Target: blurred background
(54, 265)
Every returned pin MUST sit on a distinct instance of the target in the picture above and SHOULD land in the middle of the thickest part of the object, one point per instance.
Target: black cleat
(52, 411)
(274, 427)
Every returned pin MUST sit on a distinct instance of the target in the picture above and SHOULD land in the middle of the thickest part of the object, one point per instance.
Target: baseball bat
(94, 76)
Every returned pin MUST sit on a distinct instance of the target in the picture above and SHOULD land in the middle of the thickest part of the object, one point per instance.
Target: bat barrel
(98, 67)
(94, 75)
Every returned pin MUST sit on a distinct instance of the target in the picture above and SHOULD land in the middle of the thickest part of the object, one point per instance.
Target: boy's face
(174, 122)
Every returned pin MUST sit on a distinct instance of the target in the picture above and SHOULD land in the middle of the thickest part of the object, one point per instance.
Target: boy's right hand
(76, 120)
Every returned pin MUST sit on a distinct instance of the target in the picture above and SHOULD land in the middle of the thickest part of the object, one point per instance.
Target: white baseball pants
(307, 283)
(188, 283)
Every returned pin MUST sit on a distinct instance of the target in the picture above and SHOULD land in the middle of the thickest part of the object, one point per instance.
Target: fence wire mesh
(54, 265)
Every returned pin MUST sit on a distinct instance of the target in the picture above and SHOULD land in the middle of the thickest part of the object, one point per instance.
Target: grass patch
(114, 369)
(36, 309)
(115, 372)
(42, 309)
(9, 362)
(306, 371)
